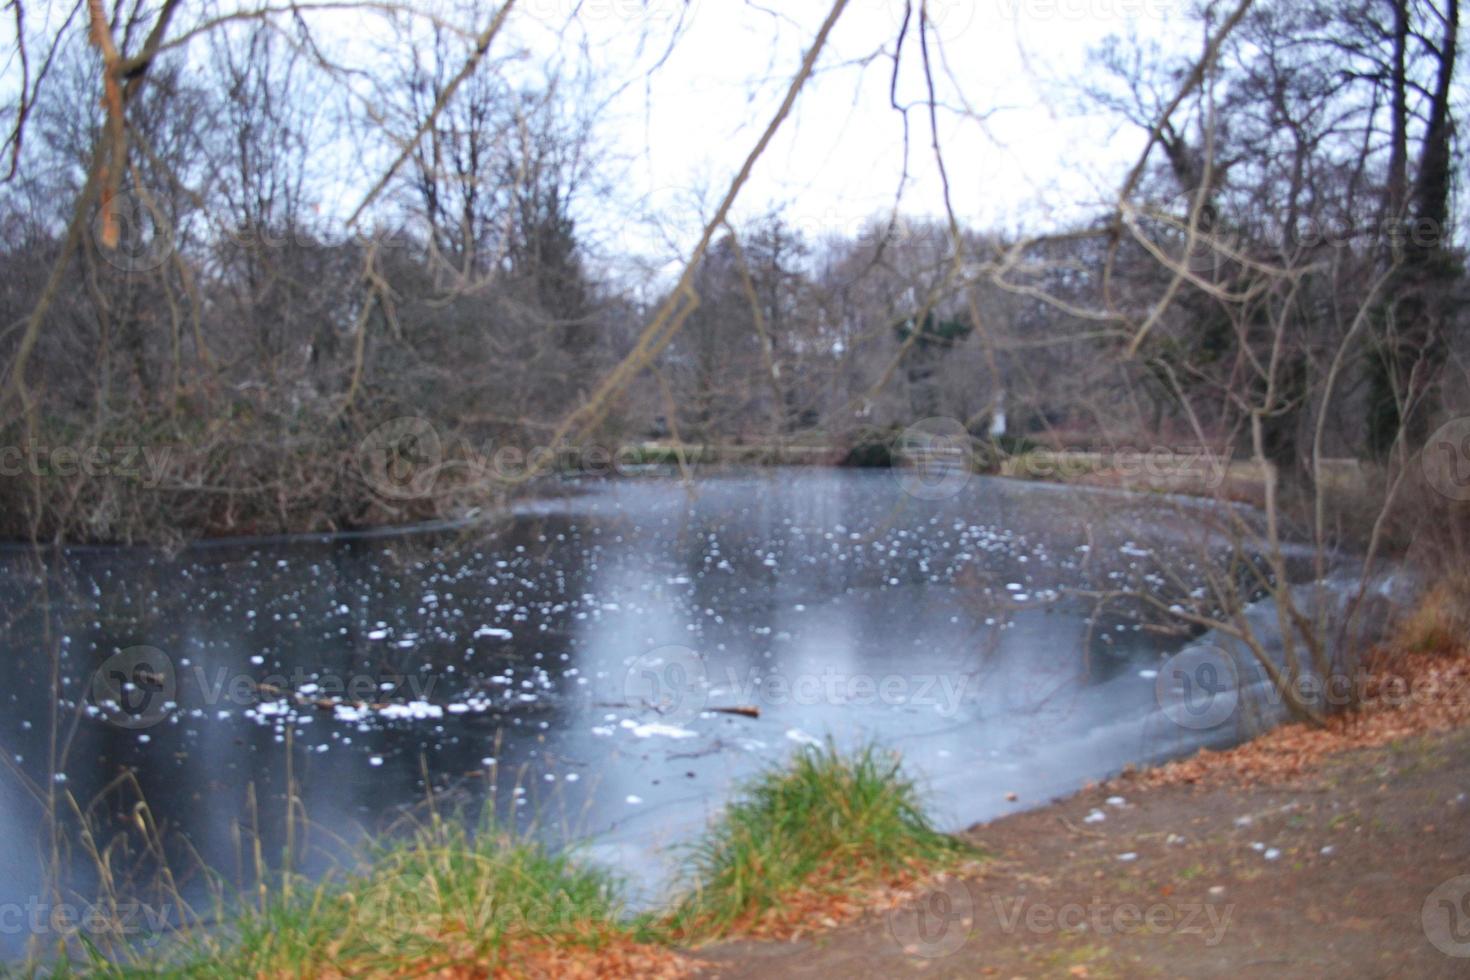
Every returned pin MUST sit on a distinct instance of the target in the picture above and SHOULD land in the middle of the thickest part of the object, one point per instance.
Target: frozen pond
(564, 665)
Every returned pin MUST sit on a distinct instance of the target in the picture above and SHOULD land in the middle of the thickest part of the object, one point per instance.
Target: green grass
(827, 822)
(441, 898)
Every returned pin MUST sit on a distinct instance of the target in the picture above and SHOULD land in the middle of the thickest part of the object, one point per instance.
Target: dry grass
(1439, 623)
(1415, 682)
(803, 847)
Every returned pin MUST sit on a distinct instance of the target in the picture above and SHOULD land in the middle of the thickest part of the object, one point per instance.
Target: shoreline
(831, 898)
(569, 486)
(1156, 852)
(1041, 467)
(1202, 879)
(1201, 850)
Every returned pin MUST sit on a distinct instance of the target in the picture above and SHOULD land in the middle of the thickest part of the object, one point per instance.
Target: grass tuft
(826, 825)
(800, 844)
(1440, 622)
(442, 902)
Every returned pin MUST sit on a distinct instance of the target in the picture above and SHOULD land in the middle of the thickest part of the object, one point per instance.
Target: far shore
(1182, 471)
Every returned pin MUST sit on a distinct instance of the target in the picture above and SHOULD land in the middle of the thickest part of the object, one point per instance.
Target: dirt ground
(1345, 870)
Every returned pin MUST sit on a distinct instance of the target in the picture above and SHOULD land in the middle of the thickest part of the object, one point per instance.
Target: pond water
(564, 666)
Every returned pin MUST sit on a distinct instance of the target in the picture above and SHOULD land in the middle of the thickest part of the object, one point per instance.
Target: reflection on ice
(568, 669)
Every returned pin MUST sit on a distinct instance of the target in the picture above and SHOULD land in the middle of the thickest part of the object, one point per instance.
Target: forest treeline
(1281, 275)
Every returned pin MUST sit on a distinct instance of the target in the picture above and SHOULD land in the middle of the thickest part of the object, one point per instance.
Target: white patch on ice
(649, 729)
(412, 711)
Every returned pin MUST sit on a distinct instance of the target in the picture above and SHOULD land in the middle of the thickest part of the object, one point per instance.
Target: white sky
(838, 158)
(679, 133)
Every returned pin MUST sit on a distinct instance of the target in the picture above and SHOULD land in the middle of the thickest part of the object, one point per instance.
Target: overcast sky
(680, 119)
(838, 159)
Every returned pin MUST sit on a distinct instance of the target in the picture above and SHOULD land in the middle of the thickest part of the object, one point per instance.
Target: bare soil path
(1346, 870)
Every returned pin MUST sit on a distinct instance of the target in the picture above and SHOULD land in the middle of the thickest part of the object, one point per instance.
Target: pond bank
(1213, 865)
(1226, 881)
(1216, 865)
(839, 603)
